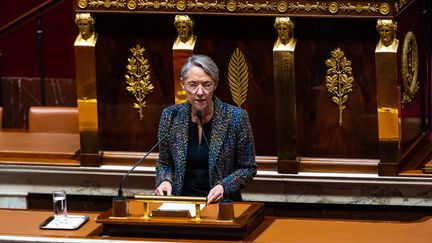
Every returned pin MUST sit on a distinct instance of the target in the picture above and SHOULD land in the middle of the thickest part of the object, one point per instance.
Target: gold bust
(85, 23)
(285, 29)
(185, 39)
(387, 31)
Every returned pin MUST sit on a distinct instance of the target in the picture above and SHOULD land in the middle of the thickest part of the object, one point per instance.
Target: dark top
(197, 167)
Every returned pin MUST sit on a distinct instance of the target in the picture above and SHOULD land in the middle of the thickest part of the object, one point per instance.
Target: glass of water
(59, 203)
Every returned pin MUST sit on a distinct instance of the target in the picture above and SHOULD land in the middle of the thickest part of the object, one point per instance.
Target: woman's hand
(164, 189)
(216, 194)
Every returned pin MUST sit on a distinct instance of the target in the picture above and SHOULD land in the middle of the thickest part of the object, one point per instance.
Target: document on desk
(181, 207)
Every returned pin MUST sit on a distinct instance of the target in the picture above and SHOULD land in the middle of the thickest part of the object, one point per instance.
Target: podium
(247, 216)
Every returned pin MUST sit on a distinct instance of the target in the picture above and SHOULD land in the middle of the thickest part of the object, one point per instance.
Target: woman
(209, 150)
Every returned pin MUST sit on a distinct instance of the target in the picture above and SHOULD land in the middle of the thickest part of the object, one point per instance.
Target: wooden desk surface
(26, 222)
(338, 230)
(21, 146)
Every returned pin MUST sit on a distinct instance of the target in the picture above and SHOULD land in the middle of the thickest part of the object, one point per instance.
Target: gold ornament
(384, 8)
(231, 5)
(333, 7)
(181, 5)
(138, 78)
(409, 68)
(282, 6)
(238, 77)
(339, 79)
(131, 4)
(82, 3)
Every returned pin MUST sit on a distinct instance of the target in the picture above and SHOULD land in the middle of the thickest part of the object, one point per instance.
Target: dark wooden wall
(319, 134)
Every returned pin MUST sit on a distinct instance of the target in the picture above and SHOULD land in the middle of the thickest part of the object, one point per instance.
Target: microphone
(199, 115)
(119, 202)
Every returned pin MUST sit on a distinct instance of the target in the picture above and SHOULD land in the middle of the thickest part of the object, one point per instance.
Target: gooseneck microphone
(199, 115)
(120, 191)
(119, 207)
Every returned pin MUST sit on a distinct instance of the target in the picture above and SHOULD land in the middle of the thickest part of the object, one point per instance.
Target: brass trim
(384, 8)
(409, 68)
(358, 8)
(400, 4)
(282, 6)
(138, 78)
(180, 199)
(339, 79)
(82, 3)
(333, 7)
(307, 7)
(107, 3)
(230, 6)
(147, 199)
(181, 5)
(238, 77)
(132, 4)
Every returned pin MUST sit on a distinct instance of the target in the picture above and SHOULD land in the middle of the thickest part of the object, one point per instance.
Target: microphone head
(199, 114)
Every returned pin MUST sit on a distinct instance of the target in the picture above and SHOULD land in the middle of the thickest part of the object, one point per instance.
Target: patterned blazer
(231, 154)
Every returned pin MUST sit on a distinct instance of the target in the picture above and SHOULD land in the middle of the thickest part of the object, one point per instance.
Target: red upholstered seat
(53, 119)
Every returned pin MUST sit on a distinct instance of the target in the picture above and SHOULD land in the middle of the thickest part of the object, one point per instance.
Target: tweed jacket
(231, 154)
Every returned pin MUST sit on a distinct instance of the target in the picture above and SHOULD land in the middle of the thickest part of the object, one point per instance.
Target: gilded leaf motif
(339, 79)
(238, 77)
(138, 78)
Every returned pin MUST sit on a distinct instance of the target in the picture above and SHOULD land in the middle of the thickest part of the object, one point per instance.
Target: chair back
(52, 119)
(1, 117)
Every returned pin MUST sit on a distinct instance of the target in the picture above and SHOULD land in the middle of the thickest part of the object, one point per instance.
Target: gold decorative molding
(339, 79)
(409, 68)
(238, 77)
(384, 8)
(374, 8)
(368, 7)
(106, 3)
(138, 78)
(156, 4)
(316, 6)
(400, 4)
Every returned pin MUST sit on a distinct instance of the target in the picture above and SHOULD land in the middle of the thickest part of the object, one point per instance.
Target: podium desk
(247, 216)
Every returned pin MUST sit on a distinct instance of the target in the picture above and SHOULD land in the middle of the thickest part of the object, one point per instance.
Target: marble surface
(326, 188)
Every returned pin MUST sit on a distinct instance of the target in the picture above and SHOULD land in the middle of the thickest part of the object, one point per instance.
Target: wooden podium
(247, 216)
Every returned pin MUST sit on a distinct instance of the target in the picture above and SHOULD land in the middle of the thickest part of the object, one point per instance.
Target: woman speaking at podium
(209, 150)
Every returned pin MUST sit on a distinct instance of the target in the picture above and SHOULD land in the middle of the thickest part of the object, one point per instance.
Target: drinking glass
(59, 203)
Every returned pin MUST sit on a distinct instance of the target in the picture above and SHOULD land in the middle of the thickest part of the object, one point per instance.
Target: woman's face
(199, 87)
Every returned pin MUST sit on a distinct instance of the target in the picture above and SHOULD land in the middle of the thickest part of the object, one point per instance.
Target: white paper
(70, 222)
(180, 206)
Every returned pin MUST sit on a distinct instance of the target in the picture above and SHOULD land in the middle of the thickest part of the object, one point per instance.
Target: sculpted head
(387, 31)
(284, 26)
(85, 23)
(184, 26)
